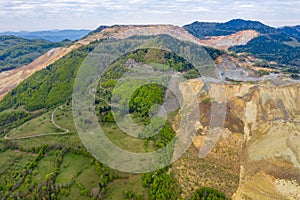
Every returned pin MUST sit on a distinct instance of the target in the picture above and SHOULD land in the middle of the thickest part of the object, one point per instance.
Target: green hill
(16, 52)
(266, 48)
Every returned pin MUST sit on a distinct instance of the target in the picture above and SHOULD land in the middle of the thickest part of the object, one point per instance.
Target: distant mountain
(52, 35)
(203, 29)
(16, 52)
(274, 44)
(293, 31)
(271, 50)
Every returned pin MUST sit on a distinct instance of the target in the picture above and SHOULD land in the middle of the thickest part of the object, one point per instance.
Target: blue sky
(16, 15)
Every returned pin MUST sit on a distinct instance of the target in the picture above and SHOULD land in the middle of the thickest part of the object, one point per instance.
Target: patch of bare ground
(225, 42)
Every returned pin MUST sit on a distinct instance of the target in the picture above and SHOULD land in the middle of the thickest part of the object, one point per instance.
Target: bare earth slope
(10, 79)
(259, 143)
(225, 42)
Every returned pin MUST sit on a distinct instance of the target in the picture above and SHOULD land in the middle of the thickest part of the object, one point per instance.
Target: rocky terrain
(259, 142)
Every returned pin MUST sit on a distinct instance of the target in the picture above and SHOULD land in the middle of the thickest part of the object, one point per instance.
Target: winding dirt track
(65, 131)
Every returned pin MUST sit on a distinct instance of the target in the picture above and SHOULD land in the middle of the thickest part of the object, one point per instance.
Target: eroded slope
(259, 142)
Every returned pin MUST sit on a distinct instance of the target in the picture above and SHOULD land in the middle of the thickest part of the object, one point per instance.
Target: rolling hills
(43, 156)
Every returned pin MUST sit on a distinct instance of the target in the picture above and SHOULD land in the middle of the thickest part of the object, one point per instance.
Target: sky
(32, 15)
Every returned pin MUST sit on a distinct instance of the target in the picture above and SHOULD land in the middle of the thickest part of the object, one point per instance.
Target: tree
(207, 193)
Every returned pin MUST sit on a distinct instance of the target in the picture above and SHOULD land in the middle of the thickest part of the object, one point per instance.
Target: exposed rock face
(11, 79)
(268, 116)
(272, 142)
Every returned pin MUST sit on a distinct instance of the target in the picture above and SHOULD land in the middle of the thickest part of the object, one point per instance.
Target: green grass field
(72, 167)
(44, 167)
(125, 141)
(11, 157)
(37, 126)
(77, 175)
(64, 118)
(89, 178)
(132, 183)
(70, 139)
(11, 167)
(75, 193)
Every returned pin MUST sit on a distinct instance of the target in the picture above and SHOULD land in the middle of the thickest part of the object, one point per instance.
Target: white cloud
(44, 14)
(246, 6)
(196, 9)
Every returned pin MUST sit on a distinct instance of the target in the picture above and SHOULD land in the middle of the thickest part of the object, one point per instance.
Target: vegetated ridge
(16, 52)
(279, 45)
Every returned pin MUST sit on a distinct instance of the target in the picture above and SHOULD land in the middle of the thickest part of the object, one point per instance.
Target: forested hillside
(16, 52)
(274, 44)
(271, 50)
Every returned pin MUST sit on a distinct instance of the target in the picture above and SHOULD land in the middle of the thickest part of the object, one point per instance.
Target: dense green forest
(16, 52)
(147, 95)
(203, 29)
(268, 49)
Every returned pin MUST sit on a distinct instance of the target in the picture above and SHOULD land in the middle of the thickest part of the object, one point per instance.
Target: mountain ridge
(279, 43)
(16, 52)
(50, 35)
